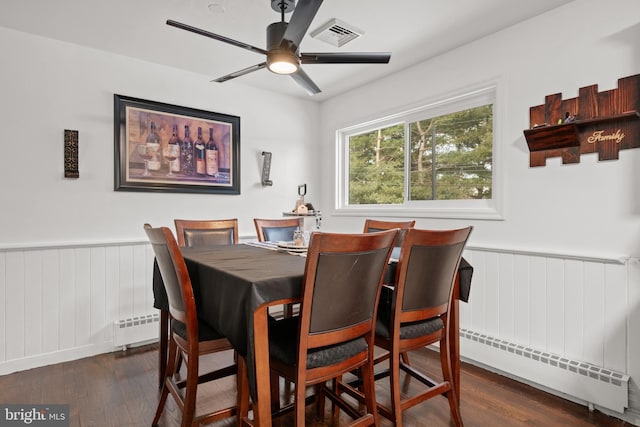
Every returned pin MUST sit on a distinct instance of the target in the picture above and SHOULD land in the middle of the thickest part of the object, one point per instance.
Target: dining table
(234, 287)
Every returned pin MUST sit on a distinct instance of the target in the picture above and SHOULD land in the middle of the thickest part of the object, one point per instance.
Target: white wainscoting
(581, 308)
(60, 303)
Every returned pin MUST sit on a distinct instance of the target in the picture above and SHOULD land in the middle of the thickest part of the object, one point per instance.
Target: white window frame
(464, 209)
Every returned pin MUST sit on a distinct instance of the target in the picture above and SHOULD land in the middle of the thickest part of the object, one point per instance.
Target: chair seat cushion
(407, 330)
(283, 346)
(205, 333)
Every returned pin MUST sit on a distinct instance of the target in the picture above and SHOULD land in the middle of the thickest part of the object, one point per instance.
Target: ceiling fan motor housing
(276, 51)
(275, 32)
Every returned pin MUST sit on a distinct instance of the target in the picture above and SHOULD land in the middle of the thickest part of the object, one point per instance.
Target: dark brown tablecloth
(230, 282)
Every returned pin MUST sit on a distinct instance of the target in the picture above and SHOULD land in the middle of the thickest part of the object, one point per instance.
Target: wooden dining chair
(189, 337)
(415, 313)
(334, 333)
(371, 225)
(194, 233)
(273, 230)
(207, 232)
(377, 225)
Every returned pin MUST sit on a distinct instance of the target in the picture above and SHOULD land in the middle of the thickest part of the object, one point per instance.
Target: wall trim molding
(36, 246)
(600, 258)
(567, 255)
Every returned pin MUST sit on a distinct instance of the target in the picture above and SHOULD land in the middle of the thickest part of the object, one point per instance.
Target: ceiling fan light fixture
(282, 62)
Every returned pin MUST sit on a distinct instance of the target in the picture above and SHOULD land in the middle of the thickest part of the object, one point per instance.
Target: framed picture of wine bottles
(167, 148)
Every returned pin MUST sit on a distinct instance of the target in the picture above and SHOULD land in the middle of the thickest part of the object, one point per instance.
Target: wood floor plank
(120, 389)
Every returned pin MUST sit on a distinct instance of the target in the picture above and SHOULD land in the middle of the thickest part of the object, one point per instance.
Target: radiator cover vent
(135, 330)
(585, 381)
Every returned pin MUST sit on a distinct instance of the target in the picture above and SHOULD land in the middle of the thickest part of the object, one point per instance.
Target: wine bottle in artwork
(153, 146)
(212, 155)
(172, 154)
(186, 153)
(199, 154)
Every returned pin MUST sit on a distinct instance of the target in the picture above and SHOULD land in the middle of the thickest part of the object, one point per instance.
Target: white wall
(591, 207)
(47, 86)
(586, 209)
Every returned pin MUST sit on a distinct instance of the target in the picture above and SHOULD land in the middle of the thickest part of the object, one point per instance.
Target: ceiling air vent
(336, 33)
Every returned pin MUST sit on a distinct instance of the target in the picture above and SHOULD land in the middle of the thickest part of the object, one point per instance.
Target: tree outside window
(450, 158)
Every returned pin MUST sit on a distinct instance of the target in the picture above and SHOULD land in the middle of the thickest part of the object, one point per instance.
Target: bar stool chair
(273, 230)
(207, 232)
(377, 225)
(189, 338)
(335, 329)
(195, 233)
(416, 314)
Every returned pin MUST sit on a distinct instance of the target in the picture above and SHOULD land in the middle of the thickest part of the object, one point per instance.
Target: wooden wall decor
(603, 122)
(71, 154)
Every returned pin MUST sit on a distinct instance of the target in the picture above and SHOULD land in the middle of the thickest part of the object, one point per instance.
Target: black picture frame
(144, 162)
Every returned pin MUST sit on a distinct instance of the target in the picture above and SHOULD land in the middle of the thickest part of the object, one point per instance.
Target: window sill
(449, 211)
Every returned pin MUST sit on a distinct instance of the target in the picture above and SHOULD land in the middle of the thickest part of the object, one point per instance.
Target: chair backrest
(175, 277)
(426, 272)
(273, 230)
(371, 225)
(342, 281)
(207, 232)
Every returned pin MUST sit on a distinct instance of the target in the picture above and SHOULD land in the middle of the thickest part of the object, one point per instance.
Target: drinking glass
(146, 153)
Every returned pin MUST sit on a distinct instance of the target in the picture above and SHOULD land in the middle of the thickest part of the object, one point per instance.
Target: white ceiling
(412, 30)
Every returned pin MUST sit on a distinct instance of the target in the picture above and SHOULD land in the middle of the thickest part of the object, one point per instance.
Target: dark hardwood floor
(120, 389)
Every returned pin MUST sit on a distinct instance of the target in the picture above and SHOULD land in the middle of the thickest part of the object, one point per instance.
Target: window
(437, 160)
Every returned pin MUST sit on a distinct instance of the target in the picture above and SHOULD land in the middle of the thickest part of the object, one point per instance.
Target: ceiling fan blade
(345, 58)
(300, 21)
(305, 81)
(215, 36)
(241, 72)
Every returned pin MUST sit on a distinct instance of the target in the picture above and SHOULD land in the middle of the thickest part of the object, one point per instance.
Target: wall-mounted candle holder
(71, 154)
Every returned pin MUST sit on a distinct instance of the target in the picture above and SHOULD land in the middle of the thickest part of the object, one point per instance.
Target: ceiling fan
(283, 42)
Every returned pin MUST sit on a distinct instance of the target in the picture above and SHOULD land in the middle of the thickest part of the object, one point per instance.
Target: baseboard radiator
(591, 384)
(136, 330)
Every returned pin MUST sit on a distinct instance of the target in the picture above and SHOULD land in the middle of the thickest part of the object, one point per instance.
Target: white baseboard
(52, 358)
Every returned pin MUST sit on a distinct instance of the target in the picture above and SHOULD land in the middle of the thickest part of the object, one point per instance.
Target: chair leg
(335, 410)
(299, 403)
(320, 399)
(242, 384)
(447, 374)
(179, 363)
(288, 310)
(162, 351)
(165, 388)
(394, 382)
(368, 384)
(275, 396)
(404, 358)
(191, 391)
